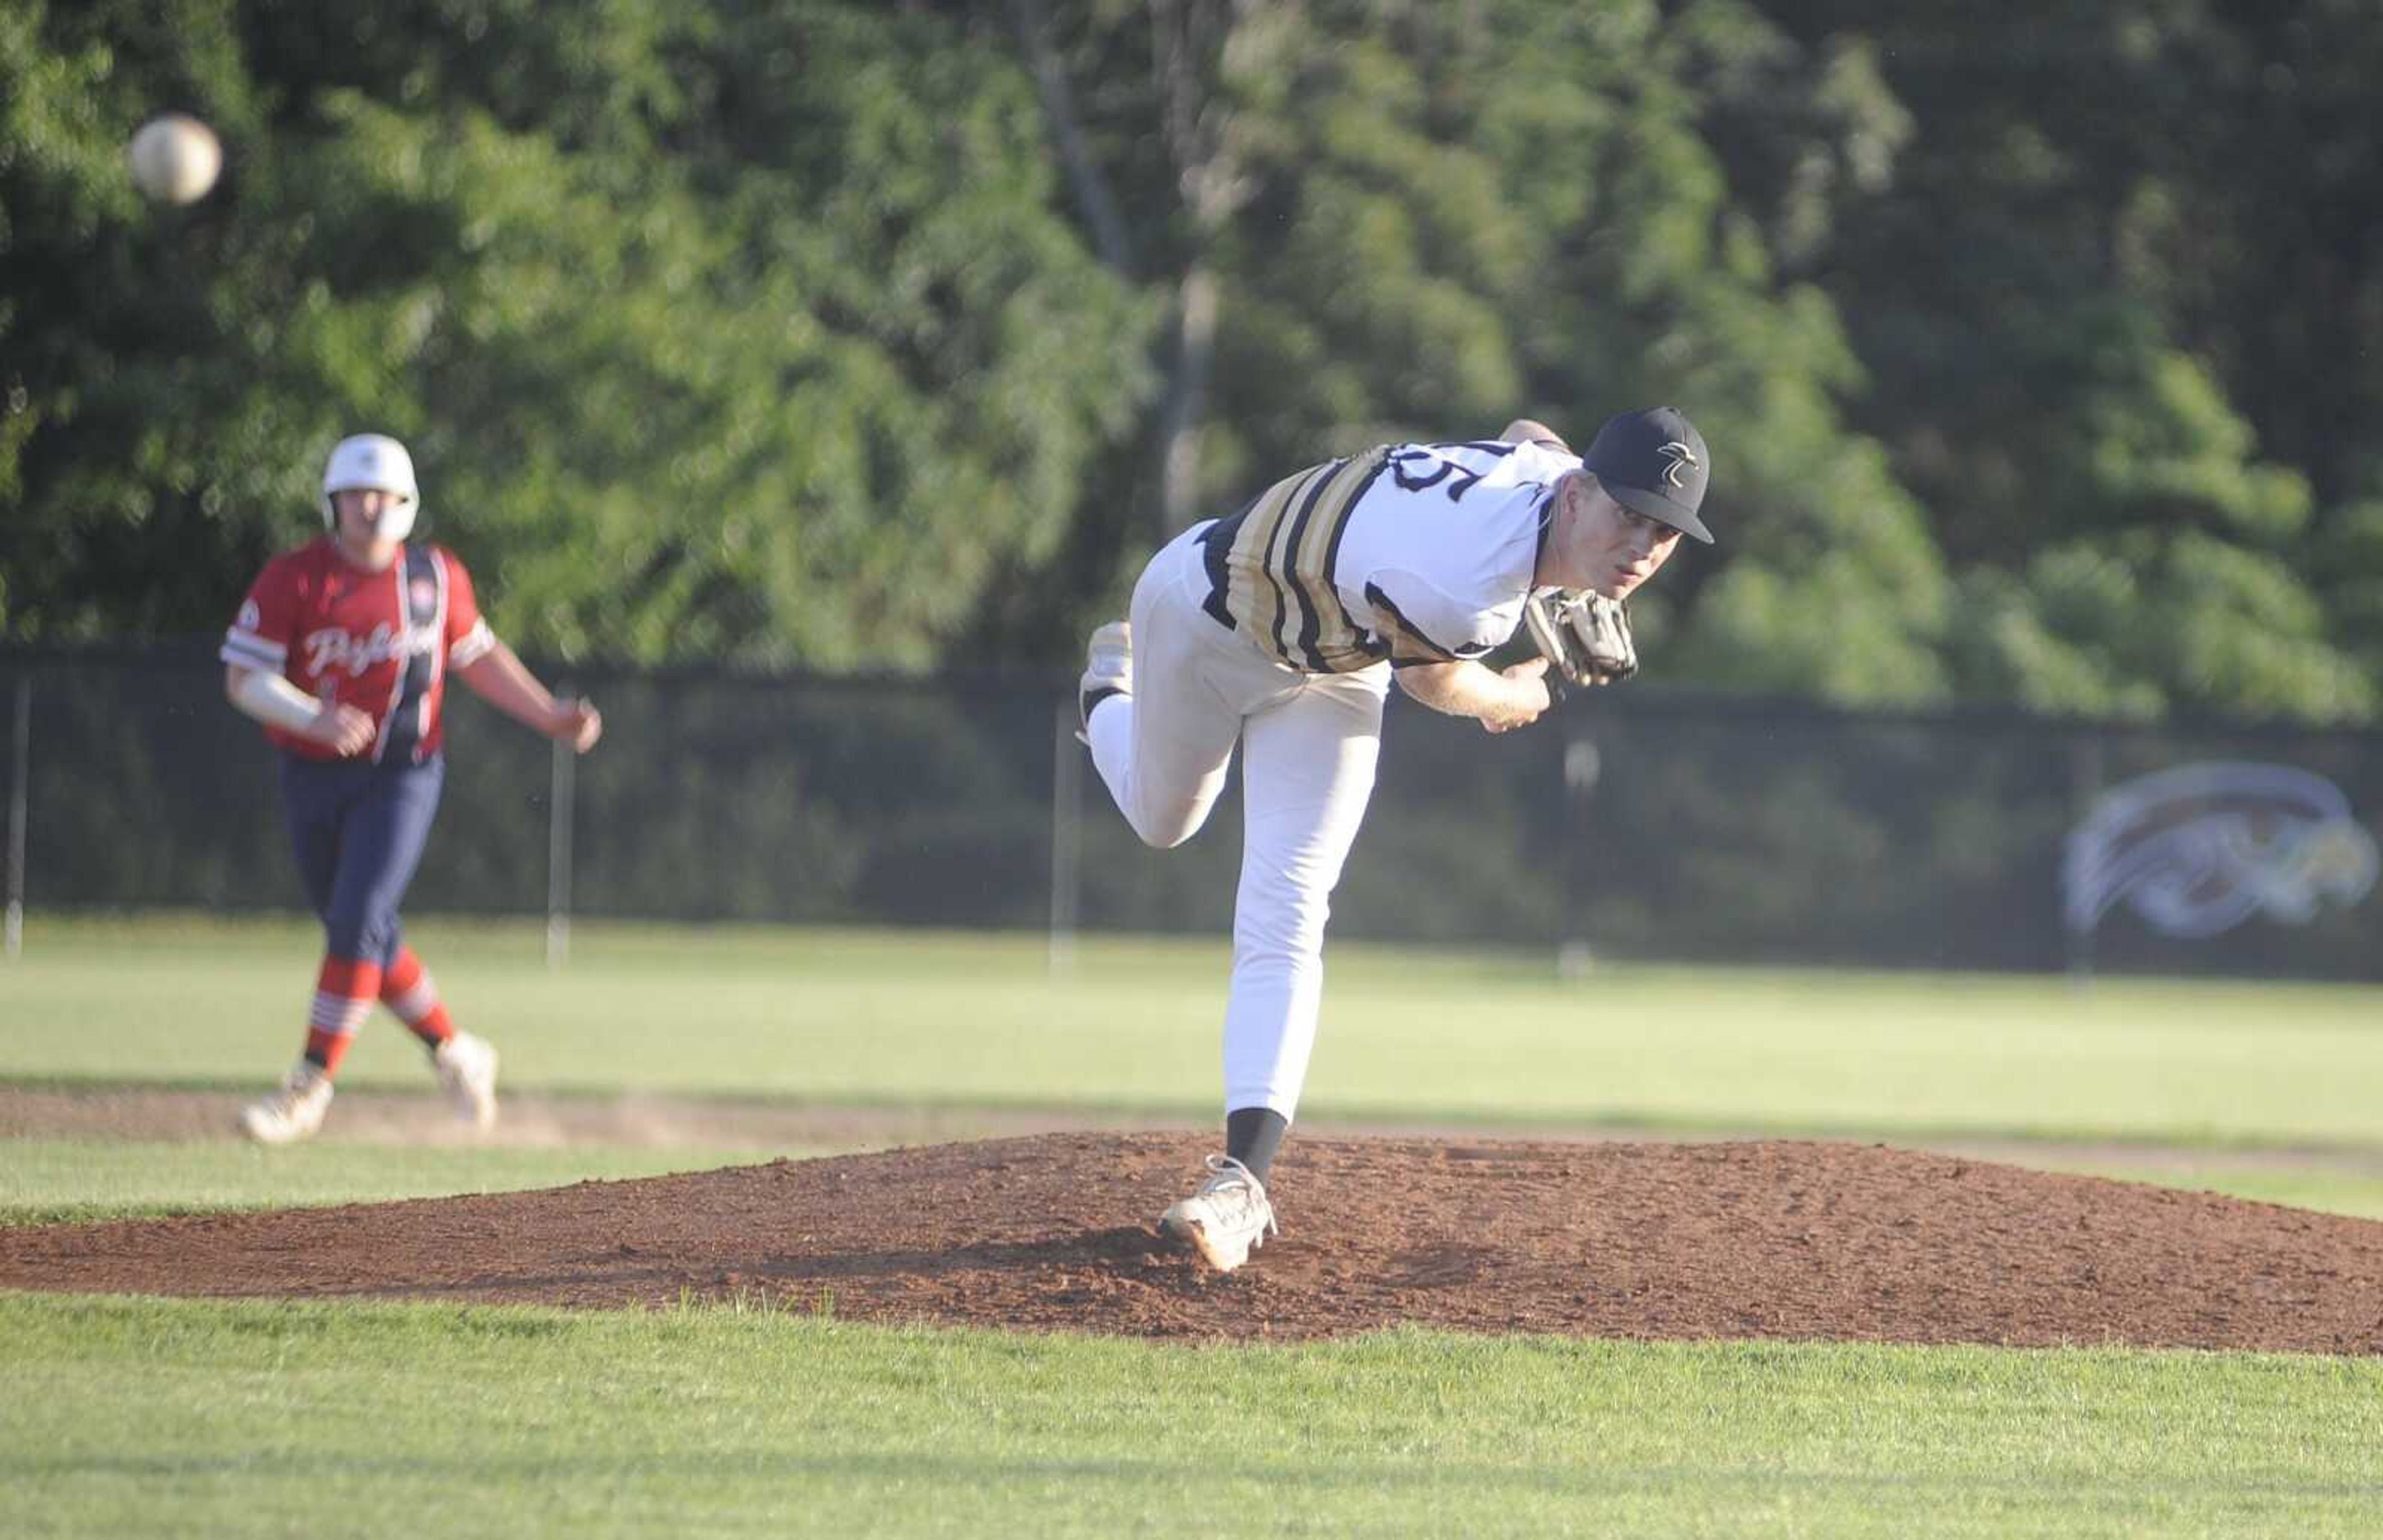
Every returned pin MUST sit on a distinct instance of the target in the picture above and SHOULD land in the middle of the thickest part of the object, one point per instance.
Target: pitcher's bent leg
(1162, 748)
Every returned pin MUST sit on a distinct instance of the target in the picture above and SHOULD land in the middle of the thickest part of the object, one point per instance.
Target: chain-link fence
(1634, 825)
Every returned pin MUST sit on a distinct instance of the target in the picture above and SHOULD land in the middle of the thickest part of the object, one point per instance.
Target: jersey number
(1419, 467)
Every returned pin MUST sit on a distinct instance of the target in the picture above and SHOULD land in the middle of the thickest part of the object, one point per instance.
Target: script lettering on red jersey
(332, 648)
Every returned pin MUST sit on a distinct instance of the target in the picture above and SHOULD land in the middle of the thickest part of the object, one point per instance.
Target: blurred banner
(1632, 826)
(2198, 850)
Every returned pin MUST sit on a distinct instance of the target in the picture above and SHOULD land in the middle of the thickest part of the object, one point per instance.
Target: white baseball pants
(1309, 743)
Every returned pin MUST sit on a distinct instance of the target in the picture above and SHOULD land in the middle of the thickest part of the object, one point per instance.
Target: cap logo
(1680, 459)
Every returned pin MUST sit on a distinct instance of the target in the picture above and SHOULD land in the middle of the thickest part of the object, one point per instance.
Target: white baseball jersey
(1416, 554)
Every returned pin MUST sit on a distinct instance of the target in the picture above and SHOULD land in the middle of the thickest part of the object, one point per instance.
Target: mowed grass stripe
(898, 1017)
(251, 1418)
(71, 1181)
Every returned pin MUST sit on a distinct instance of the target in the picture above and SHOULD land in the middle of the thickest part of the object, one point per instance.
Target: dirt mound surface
(1770, 1239)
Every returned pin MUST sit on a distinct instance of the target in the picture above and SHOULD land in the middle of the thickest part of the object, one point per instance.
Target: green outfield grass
(47, 1181)
(2358, 1192)
(257, 1419)
(130, 1416)
(1485, 1037)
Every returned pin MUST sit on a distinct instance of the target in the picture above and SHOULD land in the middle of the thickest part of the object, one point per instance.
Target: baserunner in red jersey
(342, 649)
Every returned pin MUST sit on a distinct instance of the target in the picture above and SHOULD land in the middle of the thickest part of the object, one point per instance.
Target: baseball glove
(1585, 636)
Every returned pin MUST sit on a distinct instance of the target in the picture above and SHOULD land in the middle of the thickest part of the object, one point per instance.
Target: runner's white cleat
(1227, 1219)
(294, 1112)
(1108, 671)
(467, 1073)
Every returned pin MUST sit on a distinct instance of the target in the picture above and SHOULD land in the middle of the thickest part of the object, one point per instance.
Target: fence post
(20, 761)
(558, 855)
(1067, 837)
(1581, 764)
(2084, 787)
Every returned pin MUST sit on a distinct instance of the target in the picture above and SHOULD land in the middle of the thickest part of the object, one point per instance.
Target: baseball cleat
(1108, 671)
(293, 1113)
(467, 1073)
(1227, 1219)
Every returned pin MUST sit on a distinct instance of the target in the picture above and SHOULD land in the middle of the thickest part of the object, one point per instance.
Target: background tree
(747, 332)
(2086, 357)
(2037, 349)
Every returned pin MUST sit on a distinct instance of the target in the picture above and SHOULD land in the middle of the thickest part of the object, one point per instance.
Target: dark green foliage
(748, 333)
(2118, 299)
(2038, 346)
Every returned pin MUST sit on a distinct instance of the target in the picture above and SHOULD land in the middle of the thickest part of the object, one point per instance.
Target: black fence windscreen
(1634, 825)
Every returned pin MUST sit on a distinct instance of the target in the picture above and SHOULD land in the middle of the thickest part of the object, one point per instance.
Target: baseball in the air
(175, 158)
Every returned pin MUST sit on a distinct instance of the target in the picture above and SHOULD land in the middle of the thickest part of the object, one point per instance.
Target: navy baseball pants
(358, 830)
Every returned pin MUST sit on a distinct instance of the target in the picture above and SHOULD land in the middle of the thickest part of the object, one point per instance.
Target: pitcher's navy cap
(1654, 463)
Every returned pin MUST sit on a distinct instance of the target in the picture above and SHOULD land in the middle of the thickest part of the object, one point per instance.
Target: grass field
(59, 1181)
(120, 1416)
(877, 1017)
(406, 1420)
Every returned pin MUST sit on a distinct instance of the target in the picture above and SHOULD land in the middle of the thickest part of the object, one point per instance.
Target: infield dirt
(1755, 1239)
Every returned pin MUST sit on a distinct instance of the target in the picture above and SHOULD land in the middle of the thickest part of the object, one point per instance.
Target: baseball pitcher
(1280, 629)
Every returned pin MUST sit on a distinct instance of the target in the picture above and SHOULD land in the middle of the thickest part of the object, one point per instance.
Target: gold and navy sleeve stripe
(1271, 567)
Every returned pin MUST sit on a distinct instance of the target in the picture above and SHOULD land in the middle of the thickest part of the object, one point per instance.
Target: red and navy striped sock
(408, 990)
(344, 991)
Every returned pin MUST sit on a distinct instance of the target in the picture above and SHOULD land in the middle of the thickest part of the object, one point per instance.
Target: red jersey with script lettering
(381, 642)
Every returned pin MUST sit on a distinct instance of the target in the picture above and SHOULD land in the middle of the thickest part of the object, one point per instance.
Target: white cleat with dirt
(1227, 1219)
(293, 1112)
(467, 1073)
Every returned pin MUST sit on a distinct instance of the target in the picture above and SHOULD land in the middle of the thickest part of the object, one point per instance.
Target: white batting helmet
(376, 460)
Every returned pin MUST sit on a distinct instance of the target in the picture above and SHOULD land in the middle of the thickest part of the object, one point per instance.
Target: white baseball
(175, 158)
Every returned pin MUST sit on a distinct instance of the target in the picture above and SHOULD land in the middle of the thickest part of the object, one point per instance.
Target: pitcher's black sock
(1251, 1136)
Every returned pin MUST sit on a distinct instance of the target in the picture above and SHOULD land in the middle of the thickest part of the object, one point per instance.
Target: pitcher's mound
(1758, 1240)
